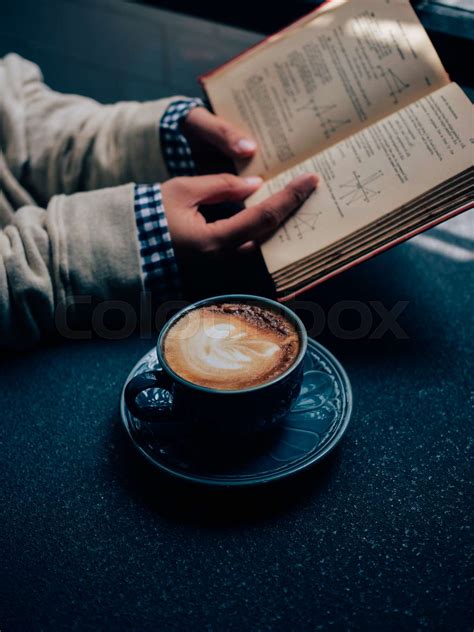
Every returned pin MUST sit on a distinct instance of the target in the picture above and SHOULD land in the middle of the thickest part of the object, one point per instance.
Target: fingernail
(254, 181)
(245, 146)
(307, 179)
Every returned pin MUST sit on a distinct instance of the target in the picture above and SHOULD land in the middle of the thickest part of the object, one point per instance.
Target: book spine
(366, 257)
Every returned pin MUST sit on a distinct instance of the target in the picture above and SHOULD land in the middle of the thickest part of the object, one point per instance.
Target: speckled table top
(374, 538)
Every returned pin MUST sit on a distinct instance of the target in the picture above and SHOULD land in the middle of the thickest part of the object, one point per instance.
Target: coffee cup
(231, 364)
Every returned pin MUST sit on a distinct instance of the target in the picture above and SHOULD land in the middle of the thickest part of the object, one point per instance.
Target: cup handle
(142, 382)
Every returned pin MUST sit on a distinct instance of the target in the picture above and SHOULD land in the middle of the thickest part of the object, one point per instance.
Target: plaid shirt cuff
(175, 147)
(160, 271)
(159, 268)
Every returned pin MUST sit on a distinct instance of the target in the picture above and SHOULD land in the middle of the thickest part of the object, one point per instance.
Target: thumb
(220, 133)
(259, 221)
(223, 187)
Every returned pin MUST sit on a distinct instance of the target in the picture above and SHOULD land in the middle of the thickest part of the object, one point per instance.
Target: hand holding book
(356, 93)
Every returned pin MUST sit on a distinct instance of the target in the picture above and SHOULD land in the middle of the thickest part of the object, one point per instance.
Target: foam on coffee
(231, 346)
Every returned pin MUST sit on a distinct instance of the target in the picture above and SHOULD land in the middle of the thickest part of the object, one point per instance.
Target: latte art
(223, 346)
(231, 346)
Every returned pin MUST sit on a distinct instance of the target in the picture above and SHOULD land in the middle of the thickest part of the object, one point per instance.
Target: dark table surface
(376, 537)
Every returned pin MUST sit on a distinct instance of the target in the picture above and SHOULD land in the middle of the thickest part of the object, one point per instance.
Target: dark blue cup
(230, 412)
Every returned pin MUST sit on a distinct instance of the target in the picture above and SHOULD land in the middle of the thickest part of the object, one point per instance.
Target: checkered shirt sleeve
(159, 268)
(175, 147)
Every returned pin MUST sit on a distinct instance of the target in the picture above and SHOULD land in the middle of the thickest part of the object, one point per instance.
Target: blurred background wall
(113, 49)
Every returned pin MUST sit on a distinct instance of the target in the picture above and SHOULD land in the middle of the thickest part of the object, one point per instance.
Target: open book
(356, 93)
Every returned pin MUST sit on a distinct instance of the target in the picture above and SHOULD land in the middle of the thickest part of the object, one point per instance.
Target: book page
(366, 239)
(443, 195)
(328, 5)
(313, 85)
(374, 172)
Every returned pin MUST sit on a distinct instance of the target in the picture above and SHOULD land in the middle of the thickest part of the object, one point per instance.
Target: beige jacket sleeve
(67, 143)
(55, 247)
(57, 263)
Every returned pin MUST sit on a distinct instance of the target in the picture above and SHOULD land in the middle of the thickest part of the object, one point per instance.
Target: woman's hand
(202, 128)
(192, 235)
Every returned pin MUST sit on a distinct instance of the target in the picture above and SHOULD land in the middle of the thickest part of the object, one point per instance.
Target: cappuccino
(231, 346)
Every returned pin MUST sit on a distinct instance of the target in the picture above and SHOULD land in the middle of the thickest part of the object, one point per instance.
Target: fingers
(259, 221)
(212, 189)
(221, 134)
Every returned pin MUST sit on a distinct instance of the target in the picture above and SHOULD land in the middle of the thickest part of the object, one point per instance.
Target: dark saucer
(312, 428)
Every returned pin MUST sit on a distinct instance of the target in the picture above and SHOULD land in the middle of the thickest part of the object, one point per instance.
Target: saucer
(311, 429)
